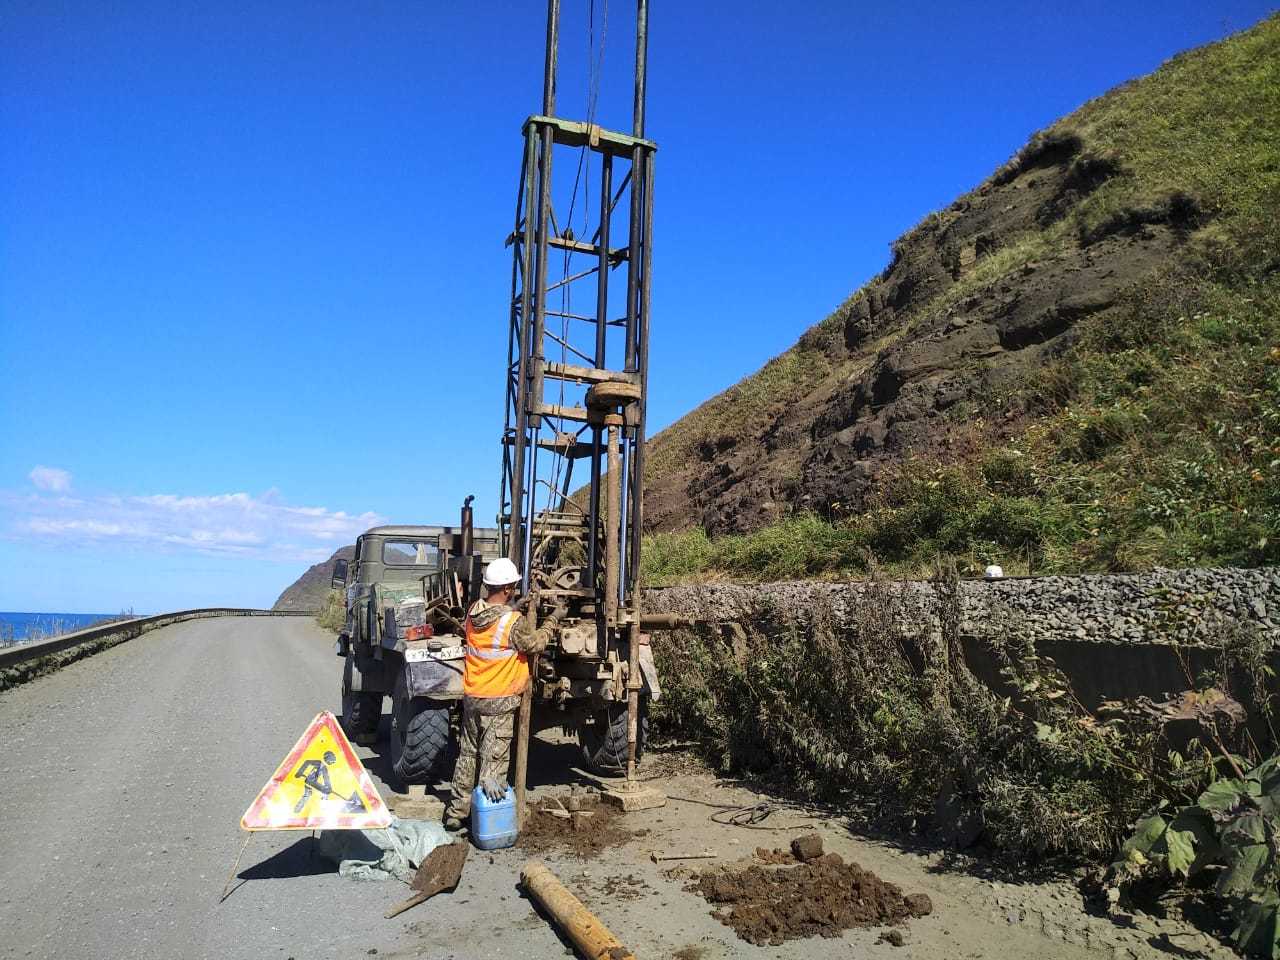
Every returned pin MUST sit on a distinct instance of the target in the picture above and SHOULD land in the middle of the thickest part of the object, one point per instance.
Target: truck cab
(406, 591)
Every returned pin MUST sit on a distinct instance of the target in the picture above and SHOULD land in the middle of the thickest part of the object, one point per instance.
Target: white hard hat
(994, 572)
(500, 573)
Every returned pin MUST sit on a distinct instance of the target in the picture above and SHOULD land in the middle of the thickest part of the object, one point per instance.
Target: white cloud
(50, 478)
(225, 524)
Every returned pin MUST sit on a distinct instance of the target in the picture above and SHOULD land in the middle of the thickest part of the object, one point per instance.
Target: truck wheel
(360, 711)
(421, 740)
(604, 742)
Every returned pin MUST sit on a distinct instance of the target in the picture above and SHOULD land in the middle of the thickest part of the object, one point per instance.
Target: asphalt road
(123, 778)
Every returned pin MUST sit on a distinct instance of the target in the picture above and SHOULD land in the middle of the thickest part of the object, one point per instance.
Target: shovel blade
(442, 869)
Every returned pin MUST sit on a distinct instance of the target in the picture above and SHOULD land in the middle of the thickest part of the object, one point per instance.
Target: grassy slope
(1155, 440)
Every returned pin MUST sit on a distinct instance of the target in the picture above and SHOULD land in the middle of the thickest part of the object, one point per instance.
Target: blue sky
(251, 256)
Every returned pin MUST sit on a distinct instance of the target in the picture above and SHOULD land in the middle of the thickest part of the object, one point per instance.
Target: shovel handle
(400, 908)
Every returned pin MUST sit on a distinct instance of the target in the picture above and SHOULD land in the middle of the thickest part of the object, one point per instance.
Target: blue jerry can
(493, 823)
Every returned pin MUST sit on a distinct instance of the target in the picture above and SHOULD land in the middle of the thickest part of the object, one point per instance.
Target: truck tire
(604, 742)
(421, 740)
(361, 712)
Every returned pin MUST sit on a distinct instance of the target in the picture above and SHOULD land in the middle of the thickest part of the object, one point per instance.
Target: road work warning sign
(321, 785)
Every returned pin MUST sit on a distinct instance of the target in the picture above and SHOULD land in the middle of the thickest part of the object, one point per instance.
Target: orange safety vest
(494, 668)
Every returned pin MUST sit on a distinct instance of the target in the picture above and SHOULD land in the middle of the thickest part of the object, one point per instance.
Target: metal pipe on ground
(667, 621)
(591, 937)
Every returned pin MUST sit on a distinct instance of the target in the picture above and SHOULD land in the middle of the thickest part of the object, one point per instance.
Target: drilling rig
(577, 372)
(576, 378)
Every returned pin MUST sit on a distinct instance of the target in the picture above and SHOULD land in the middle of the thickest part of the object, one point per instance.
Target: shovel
(439, 872)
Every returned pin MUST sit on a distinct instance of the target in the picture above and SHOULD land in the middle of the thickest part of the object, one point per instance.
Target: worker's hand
(493, 788)
(559, 613)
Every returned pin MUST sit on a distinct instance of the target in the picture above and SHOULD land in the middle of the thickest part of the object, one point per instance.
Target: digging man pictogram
(315, 776)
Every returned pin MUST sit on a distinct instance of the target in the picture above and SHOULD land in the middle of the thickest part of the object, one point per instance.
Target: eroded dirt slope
(975, 297)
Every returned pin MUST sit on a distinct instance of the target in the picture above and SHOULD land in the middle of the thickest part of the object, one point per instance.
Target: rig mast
(577, 364)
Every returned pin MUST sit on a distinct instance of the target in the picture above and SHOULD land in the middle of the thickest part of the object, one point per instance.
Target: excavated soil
(593, 829)
(823, 898)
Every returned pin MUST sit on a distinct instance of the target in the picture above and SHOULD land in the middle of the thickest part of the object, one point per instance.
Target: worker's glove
(559, 613)
(493, 788)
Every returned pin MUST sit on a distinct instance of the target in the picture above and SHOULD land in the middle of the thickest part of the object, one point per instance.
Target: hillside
(1071, 367)
(309, 590)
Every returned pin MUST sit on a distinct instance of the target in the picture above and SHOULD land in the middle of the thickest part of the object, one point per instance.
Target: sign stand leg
(231, 876)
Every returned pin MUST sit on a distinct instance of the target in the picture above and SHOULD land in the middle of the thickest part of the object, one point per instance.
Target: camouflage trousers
(487, 727)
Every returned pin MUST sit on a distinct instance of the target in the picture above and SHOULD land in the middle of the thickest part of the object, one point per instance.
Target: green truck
(407, 589)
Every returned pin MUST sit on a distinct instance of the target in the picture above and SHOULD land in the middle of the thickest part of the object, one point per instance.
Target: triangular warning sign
(321, 785)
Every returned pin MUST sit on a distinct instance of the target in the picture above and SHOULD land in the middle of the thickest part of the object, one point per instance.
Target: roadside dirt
(823, 896)
(766, 901)
(577, 825)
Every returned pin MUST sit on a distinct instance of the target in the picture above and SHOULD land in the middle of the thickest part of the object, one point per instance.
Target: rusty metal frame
(543, 434)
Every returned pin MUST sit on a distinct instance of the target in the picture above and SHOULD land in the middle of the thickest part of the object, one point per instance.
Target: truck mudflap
(433, 673)
(649, 671)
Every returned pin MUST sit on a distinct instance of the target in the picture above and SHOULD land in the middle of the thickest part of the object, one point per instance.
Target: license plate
(418, 654)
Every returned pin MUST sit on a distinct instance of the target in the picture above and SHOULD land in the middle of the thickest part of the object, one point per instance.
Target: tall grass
(890, 722)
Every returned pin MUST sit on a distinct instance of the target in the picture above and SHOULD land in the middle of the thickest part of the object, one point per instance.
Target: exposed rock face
(875, 382)
(1164, 607)
(308, 591)
(1114, 636)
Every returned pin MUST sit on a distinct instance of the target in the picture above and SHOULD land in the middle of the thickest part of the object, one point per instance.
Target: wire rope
(582, 177)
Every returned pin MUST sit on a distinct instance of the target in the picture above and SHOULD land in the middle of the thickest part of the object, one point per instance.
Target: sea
(24, 627)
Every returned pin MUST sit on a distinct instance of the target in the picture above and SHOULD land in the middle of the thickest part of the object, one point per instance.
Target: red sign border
(324, 719)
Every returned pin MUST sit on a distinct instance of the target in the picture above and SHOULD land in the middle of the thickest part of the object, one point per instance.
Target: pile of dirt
(590, 829)
(775, 857)
(822, 896)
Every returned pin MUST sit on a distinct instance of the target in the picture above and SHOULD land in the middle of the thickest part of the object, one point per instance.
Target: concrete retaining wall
(1114, 636)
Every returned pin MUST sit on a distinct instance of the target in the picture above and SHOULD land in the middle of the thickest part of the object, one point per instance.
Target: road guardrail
(25, 661)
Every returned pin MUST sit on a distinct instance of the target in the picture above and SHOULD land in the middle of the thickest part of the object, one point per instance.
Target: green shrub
(1007, 470)
(1233, 826)
(332, 614)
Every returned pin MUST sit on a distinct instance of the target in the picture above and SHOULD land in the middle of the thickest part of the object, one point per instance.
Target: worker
(499, 641)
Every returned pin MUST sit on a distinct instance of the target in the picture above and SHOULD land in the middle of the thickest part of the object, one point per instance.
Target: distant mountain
(307, 592)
